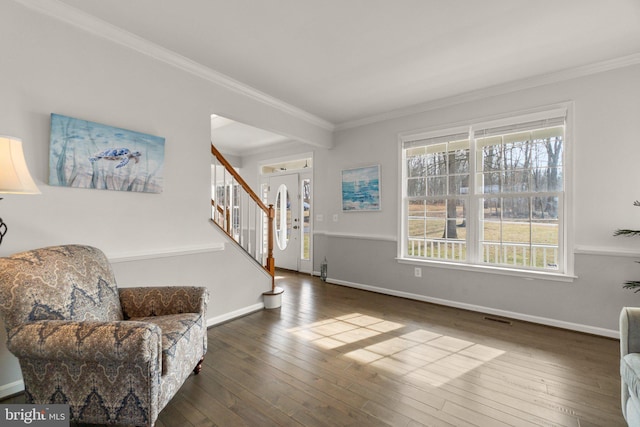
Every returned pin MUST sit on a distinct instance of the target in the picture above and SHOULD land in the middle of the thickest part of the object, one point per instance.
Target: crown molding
(105, 30)
(501, 89)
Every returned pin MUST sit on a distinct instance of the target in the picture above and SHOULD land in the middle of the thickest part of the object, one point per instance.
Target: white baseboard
(10, 389)
(487, 310)
(234, 314)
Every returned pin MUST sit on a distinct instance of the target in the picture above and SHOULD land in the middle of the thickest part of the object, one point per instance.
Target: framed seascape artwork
(91, 155)
(361, 189)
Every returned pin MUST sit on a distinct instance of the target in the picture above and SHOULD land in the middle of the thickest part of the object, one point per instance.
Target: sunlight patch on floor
(343, 330)
(423, 356)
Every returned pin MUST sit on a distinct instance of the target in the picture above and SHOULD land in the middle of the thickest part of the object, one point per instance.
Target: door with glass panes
(284, 194)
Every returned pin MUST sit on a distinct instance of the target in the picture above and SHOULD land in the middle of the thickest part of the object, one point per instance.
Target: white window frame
(565, 271)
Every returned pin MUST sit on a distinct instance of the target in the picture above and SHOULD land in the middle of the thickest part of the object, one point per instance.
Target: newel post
(271, 265)
(272, 298)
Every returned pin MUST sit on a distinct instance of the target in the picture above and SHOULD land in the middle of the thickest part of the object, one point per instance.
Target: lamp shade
(14, 174)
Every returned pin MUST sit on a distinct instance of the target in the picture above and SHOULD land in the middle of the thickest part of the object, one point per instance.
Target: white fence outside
(511, 254)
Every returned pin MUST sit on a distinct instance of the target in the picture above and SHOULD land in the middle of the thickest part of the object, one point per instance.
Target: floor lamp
(14, 174)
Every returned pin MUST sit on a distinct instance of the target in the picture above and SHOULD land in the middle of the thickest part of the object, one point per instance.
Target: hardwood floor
(335, 356)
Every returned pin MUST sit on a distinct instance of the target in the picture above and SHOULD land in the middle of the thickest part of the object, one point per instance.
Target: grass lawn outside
(511, 241)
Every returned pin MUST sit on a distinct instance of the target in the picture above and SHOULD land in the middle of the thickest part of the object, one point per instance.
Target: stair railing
(241, 214)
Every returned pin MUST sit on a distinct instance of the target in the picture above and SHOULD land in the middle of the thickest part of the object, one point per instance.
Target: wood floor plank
(191, 412)
(337, 356)
(278, 414)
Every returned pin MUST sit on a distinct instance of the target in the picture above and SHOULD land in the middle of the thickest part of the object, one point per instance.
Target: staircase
(240, 213)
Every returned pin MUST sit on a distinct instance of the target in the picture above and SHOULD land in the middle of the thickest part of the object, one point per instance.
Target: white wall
(48, 67)
(235, 288)
(251, 164)
(606, 180)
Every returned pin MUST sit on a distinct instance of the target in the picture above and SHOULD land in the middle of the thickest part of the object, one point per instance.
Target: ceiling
(347, 60)
(239, 139)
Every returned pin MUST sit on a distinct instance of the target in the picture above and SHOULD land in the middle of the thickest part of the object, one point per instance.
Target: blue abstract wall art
(85, 154)
(361, 189)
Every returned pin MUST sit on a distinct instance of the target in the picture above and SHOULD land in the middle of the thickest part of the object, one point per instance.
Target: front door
(284, 193)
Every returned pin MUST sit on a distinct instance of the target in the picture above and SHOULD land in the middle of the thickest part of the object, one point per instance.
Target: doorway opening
(287, 184)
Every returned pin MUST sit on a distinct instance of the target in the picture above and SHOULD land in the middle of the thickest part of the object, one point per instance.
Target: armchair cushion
(178, 310)
(629, 372)
(179, 335)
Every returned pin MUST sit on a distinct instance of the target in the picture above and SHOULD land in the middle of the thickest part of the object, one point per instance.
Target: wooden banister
(269, 211)
(238, 178)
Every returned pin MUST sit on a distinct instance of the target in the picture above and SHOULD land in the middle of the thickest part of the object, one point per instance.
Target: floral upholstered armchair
(115, 356)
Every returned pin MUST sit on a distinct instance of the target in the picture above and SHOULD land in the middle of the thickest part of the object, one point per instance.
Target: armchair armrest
(629, 330)
(86, 341)
(163, 300)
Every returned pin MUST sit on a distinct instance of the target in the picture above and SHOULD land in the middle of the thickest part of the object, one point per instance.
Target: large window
(487, 194)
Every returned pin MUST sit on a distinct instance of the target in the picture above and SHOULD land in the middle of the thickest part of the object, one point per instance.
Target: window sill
(523, 274)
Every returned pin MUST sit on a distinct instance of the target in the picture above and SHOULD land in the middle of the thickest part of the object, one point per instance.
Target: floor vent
(496, 319)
